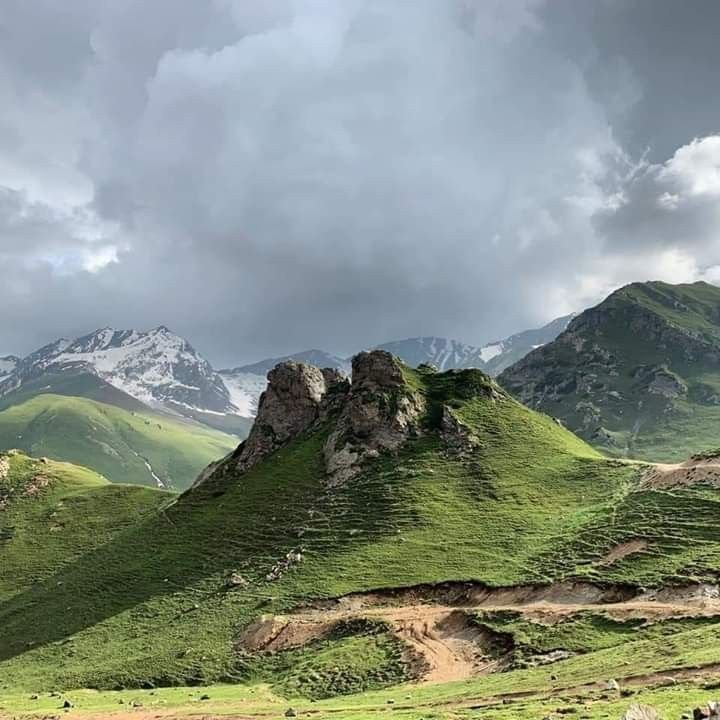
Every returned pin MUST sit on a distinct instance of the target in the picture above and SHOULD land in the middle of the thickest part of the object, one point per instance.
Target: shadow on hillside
(248, 523)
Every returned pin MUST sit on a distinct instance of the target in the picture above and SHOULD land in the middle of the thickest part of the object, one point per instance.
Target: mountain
(493, 358)
(406, 525)
(246, 383)
(636, 375)
(158, 368)
(500, 355)
(319, 358)
(8, 363)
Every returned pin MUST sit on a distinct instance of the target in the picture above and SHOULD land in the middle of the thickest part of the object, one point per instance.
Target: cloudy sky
(269, 176)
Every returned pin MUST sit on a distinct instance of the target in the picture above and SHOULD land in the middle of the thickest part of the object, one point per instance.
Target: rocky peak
(376, 370)
(295, 399)
(379, 415)
(374, 414)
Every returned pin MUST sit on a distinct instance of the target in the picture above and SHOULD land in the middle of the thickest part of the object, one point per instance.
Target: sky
(265, 177)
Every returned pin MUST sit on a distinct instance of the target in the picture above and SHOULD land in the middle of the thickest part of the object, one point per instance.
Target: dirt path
(445, 643)
(661, 476)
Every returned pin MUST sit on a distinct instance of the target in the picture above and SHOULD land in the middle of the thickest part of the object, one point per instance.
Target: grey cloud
(326, 173)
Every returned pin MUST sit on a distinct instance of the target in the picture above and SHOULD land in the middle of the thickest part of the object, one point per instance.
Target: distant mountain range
(147, 407)
(245, 383)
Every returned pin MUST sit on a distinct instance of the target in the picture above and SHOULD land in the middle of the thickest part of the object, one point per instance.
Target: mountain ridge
(636, 374)
(247, 381)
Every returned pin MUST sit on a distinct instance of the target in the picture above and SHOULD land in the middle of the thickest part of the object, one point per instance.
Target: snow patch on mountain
(245, 390)
(157, 367)
(488, 352)
(8, 363)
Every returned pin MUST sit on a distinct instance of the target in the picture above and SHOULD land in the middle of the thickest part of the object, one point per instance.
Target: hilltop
(304, 558)
(636, 375)
(246, 382)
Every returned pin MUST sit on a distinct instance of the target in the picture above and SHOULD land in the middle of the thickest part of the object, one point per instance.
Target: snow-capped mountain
(444, 354)
(493, 358)
(156, 367)
(8, 363)
(503, 354)
(319, 358)
(246, 383)
(244, 389)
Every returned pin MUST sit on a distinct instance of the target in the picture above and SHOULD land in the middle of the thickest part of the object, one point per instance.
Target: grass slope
(637, 375)
(52, 513)
(532, 503)
(114, 442)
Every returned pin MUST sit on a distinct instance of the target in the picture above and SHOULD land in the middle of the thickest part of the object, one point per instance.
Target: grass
(357, 657)
(53, 513)
(150, 607)
(115, 442)
(582, 632)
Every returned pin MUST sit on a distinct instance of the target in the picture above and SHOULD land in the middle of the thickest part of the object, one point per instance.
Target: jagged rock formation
(379, 415)
(377, 412)
(246, 382)
(292, 403)
(458, 438)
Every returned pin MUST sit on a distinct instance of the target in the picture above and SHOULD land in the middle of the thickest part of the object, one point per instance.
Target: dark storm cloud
(653, 66)
(264, 177)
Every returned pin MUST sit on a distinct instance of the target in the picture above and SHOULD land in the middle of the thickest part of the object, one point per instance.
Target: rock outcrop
(379, 415)
(458, 438)
(290, 405)
(374, 414)
(297, 396)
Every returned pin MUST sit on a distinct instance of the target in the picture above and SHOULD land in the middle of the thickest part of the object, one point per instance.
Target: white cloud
(694, 169)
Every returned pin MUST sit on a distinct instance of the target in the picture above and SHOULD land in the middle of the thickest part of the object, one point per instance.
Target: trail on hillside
(660, 476)
(443, 636)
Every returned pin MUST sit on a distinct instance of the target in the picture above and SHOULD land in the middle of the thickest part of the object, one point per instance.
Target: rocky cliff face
(375, 412)
(380, 413)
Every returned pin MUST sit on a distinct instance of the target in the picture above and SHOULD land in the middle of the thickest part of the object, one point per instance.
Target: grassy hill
(637, 375)
(125, 445)
(52, 513)
(525, 506)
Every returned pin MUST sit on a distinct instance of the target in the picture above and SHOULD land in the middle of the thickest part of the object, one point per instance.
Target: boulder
(641, 712)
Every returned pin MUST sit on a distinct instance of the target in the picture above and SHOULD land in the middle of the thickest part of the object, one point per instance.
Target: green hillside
(637, 375)
(503, 498)
(52, 513)
(115, 442)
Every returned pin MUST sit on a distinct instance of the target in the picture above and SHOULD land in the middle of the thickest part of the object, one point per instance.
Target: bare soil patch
(436, 623)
